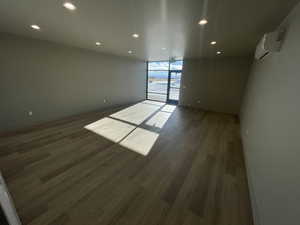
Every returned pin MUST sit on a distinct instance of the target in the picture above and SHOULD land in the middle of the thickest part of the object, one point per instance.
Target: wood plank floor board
(60, 173)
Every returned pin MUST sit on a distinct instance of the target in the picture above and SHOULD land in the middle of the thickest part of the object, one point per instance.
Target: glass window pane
(176, 65)
(158, 75)
(158, 82)
(175, 79)
(158, 66)
(174, 94)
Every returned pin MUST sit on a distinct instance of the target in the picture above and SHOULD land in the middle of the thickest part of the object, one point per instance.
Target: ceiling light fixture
(35, 27)
(135, 35)
(164, 48)
(98, 43)
(130, 52)
(213, 42)
(203, 22)
(219, 52)
(69, 6)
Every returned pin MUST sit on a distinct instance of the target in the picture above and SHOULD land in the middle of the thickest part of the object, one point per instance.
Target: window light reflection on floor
(137, 113)
(140, 141)
(159, 119)
(168, 108)
(111, 129)
(136, 127)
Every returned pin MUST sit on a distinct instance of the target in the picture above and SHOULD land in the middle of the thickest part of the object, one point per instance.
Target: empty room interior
(149, 112)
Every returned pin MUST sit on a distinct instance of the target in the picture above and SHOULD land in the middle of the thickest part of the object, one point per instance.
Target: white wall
(271, 115)
(56, 81)
(215, 84)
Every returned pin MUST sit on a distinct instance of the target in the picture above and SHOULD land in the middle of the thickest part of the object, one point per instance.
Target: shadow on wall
(136, 127)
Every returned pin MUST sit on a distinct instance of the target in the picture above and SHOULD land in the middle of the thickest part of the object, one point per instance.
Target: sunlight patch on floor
(168, 108)
(154, 103)
(124, 127)
(159, 119)
(111, 129)
(137, 113)
(140, 141)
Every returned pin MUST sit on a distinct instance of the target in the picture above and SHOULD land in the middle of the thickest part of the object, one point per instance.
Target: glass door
(174, 86)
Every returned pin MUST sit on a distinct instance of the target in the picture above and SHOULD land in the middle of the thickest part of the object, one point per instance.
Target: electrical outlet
(247, 132)
(104, 100)
(30, 113)
(198, 101)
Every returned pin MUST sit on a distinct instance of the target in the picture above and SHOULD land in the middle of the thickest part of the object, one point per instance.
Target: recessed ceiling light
(69, 6)
(135, 35)
(130, 52)
(163, 48)
(203, 22)
(213, 42)
(219, 52)
(98, 43)
(35, 27)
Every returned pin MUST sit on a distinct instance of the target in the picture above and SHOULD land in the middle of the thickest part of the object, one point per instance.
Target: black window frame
(169, 78)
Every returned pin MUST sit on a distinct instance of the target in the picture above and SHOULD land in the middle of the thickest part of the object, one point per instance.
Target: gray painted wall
(55, 81)
(270, 128)
(215, 84)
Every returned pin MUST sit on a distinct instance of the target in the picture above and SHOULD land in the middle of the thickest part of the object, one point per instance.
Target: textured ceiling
(236, 25)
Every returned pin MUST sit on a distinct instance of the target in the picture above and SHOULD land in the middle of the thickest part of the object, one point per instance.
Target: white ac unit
(271, 42)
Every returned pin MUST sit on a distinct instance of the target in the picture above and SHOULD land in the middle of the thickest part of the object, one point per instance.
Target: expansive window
(163, 83)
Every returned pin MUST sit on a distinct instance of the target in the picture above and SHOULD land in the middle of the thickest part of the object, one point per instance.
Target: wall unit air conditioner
(271, 42)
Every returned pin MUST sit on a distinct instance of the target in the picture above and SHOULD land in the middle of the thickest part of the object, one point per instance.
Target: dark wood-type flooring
(63, 174)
